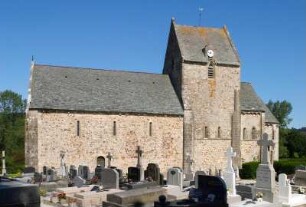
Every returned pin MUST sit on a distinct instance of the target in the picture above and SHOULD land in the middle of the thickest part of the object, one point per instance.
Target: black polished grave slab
(17, 194)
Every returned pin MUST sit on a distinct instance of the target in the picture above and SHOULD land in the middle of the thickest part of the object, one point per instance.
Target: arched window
(150, 129)
(219, 132)
(78, 128)
(114, 128)
(273, 133)
(244, 135)
(254, 133)
(206, 132)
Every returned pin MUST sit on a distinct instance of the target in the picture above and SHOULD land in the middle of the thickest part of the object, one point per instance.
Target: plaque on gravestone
(134, 174)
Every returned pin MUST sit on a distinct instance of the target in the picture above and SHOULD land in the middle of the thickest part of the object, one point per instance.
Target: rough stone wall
(250, 151)
(31, 138)
(211, 102)
(58, 131)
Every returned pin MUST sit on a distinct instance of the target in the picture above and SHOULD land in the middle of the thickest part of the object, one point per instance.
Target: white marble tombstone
(285, 191)
(175, 177)
(229, 173)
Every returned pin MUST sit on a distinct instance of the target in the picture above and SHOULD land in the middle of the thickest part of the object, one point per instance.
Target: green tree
(281, 110)
(12, 121)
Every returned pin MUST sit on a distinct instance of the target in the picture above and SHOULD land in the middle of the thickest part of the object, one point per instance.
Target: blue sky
(270, 36)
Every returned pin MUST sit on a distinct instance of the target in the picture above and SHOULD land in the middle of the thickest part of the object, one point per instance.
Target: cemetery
(107, 185)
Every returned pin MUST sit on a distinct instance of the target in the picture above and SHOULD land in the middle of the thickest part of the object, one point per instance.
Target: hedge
(287, 166)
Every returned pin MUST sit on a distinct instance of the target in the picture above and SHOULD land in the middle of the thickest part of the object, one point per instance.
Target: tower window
(219, 132)
(206, 132)
(114, 128)
(150, 129)
(244, 135)
(254, 133)
(78, 128)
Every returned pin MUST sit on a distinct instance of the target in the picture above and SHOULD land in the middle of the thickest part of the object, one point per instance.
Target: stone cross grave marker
(153, 172)
(196, 177)
(3, 163)
(110, 178)
(139, 162)
(229, 174)
(265, 173)
(285, 191)
(265, 144)
(109, 159)
(63, 166)
(188, 172)
(175, 177)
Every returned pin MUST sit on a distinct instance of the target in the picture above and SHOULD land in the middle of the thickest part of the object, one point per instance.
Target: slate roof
(84, 89)
(249, 101)
(192, 41)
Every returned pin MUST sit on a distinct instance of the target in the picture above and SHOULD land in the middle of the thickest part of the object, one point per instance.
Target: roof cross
(265, 144)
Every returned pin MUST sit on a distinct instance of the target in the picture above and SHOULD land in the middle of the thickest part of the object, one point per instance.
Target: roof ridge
(183, 25)
(99, 69)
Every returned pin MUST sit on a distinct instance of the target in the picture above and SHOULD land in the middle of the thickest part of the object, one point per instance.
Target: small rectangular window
(114, 128)
(150, 129)
(211, 72)
(78, 128)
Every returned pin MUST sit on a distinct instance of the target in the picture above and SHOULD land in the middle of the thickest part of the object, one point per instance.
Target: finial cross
(265, 143)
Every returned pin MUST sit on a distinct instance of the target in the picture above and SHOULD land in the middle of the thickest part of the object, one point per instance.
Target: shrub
(288, 166)
(248, 170)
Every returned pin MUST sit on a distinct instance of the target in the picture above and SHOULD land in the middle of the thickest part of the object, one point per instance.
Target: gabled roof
(195, 41)
(249, 101)
(84, 89)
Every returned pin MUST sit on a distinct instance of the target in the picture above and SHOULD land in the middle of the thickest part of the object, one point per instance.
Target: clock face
(210, 53)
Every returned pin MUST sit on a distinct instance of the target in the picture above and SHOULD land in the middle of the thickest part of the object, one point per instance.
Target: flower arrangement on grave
(301, 190)
(61, 196)
(259, 196)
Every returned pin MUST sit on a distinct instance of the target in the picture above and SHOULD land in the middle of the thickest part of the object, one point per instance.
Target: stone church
(196, 109)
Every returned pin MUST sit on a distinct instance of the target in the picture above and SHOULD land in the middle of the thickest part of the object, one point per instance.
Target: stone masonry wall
(58, 131)
(211, 102)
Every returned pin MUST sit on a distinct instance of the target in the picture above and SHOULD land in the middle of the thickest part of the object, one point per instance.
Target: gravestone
(29, 170)
(196, 178)
(78, 181)
(134, 174)
(246, 191)
(139, 163)
(83, 171)
(110, 178)
(3, 164)
(265, 174)
(98, 172)
(101, 161)
(285, 191)
(175, 177)
(73, 172)
(109, 159)
(50, 175)
(229, 173)
(153, 172)
(188, 171)
(300, 177)
(45, 168)
(38, 177)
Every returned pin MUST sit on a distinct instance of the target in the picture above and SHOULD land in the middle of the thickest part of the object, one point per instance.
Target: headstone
(50, 175)
(188, 172)
(78, 181)
(153, 172)
(196, 178)
(83, 171)
(73, 172)
(229, 173)
(175, 177)
(134, 174)
(213, 189)
(101, 161)
(98, 172)
(246, 191)
(45, 168)
(285, 191)
(265, 174)
(109, 159)
(300, 177)
(139, 162)
(110, 178)
(3, 163)
(38, 177)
